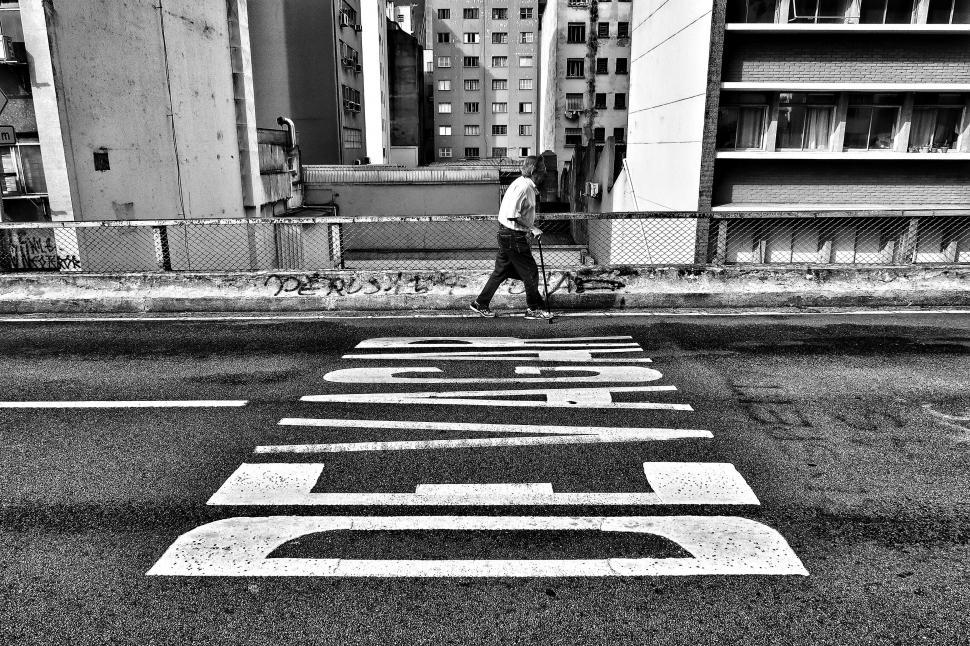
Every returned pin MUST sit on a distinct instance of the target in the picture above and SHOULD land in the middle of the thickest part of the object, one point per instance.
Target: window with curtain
(936, 122)
(871, 121)
(752, 11)
(817, 11)
(742, 122)
(948, 12)
(805, 121)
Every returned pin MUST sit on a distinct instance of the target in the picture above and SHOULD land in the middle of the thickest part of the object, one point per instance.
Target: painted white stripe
(202, 403)
(434, 342)
(719, 545)
(506, 355)
(612, 374)
(817, 312)
(673, 483)
(554, 398)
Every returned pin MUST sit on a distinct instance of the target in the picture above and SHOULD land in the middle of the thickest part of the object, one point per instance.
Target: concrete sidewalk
(601, 289)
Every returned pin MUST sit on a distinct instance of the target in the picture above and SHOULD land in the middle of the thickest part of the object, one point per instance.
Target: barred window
(500, 108)
(500, 152)
(444, 152)
(472, 85)
(500, 130)
(472, 152)
(473, 131)
(500, 84)
(472, 107)
(353, 138)
(575, 67)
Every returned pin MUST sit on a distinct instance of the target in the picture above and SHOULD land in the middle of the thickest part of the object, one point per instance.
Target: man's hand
(536, 231)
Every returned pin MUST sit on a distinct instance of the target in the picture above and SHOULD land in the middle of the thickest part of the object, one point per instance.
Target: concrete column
(901, 141)
(244, 87)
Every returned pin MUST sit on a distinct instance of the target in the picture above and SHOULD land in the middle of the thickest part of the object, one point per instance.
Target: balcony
(877, 16)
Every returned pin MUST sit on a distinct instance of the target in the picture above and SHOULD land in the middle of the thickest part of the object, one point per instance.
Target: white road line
(127, 404)
(673, 483)
(435, 315)
(241, 547)
(464, 427)
(611, 374)
(507, 355)
(433, 342)
(554, 398)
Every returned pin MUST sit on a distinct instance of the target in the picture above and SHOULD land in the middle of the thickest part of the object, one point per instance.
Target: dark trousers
(514, 260)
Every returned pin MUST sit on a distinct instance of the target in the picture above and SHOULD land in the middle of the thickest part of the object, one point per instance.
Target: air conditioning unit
(347, 61)
(358, 68)
(348, 105)
(358, 28)
(592, 189)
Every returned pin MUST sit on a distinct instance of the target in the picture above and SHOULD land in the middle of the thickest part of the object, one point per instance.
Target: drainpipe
(293, 163)
(284, 122)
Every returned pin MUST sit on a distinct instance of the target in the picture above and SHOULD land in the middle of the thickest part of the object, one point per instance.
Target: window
(444, 61)
(527, 37)
(471, 37)
(886, 11)
(870, 123)
(526, 61)
(472, 85)
(751, 11)
(500, 152)
(742, 121)
(444, 131)
(575, 67)
(817, 11)
(500, 13)
(574, 136)
(805, 121)
(600, 103)
(500, 38)
(444, 36)
(603, 30)
(622, 66)
(619, 102)
(444, 85)
(500, 84)
(576, 32)
(526, 13)
(444, 108)
(351, 98)
(525, 152)
(471, 152)
(525, 131)
(622, 30)
(942, 12)
(444, 152)
(23, 169)
(500, 108)
(619, 135)
(353, 138)
(526, 84)
(102, 162)
(936, 121)
(444, 14)
(574, 101)
(473, 131)
(498, 131)
(471, 61)
(602, 66)
(472, 107)
(599, 135)
(525, 107)
(469, 14)
(500, 61)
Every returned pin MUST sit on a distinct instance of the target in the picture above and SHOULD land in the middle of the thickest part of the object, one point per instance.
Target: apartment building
(485, 77)
(375, 20)
(585, 80)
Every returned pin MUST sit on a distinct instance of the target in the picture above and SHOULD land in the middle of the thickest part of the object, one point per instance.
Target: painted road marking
(611, 374)
(128, 404)
(431, 342)
(585, 356)
(240, 547)
(673, 483)
(555, 398)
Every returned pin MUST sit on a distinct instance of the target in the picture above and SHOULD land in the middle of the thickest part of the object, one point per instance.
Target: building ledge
(843, 156)
(789, 28)
(860, 210)
(797, 86)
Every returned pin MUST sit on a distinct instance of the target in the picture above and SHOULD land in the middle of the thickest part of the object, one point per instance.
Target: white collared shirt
(519, 202)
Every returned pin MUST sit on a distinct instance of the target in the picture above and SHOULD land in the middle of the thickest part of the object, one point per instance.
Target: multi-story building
(374, 20)
(485, 76)
(307, 63)
(585, 81)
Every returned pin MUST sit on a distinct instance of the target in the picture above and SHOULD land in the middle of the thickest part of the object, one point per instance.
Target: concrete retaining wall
(589, 288)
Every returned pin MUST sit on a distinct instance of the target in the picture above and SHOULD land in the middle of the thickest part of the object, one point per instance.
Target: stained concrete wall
(668, 90)
(116, 92)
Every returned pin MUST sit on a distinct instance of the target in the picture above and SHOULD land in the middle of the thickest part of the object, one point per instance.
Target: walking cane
(545, 283)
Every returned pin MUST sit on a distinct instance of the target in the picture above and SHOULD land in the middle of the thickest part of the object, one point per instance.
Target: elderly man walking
(516, 218)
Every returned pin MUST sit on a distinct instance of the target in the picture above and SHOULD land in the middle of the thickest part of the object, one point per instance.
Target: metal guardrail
(452, 242)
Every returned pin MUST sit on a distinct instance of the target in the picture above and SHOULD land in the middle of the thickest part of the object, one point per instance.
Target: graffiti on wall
(34, 250)
(318, 284)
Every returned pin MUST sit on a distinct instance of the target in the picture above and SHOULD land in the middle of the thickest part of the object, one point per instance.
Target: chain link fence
(571, 240)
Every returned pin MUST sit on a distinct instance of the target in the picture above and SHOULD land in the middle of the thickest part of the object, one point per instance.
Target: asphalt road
(852, 431)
